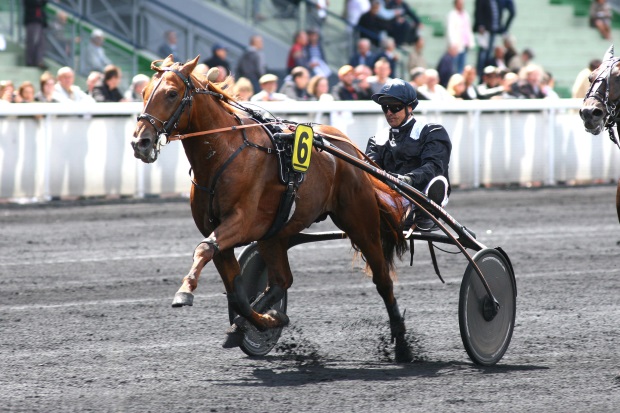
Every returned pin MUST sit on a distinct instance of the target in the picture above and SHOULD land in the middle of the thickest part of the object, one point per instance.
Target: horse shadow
(308, 371)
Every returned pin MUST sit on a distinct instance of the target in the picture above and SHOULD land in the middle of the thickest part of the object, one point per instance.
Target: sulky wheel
(486, 335)
(254, 275)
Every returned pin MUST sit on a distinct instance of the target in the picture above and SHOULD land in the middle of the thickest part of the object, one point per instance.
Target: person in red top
(298, 54)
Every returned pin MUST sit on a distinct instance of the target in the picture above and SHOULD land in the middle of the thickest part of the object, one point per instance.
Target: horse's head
(167, 105)
(600, 104)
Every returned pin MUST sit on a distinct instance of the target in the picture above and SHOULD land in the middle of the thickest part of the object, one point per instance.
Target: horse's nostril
(597, 113)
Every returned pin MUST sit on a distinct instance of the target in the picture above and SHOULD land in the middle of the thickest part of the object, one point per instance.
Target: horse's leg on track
(274, 253)
(367, 237)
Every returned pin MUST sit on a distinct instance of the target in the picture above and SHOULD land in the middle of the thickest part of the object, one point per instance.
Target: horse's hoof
(281, 318)
(234, 338)
(402, 351)
(181, 299)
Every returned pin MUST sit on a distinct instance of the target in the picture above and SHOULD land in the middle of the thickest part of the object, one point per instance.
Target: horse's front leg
(204, 252)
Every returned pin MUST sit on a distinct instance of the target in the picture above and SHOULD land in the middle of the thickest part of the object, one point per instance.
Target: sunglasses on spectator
(394, 108)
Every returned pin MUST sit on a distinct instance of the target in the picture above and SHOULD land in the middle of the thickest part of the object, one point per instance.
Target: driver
(416, 153)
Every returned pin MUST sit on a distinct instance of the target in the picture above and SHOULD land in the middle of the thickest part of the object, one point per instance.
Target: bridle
(594, 92)
(163, 128)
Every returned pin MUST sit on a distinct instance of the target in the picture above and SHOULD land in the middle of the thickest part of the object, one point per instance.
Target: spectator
(456, 87)
(296, 87)
(7, 91)
(96, 58)
(26, 92)
(46, 93)
(600, 17)
(287, 8)
(93, 80)
(107, 90)
(371, 25)
(506, 6)
(510, 50)
(243, 89)
(298, 54)
(316, 55)
(491, 83)
(469, 75)
(251, 64)
(446, 65)
(354, 10)
(345, 88)
(364, 55)
(58, 31)
(138, 83)
(486, 27)
(318, 89)
(389, 53)
(218, 57)
(201, 70)
(317, 14)
(170, 47)
(362, 74)
(382, 72)
(35, 21)
(269, 85)
(432, 89)
(530, 83)
(65, 90)
(508, 84)
(582, 81)
(460, 33)
(416, 55)
(517, 62)
(417, 79)
(403, 30)
(548, 83)
(499, 56)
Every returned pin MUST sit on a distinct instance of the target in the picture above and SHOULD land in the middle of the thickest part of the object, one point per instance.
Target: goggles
(394, 108)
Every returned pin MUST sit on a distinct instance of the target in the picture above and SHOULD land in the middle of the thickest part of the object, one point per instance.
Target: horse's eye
(173, 94)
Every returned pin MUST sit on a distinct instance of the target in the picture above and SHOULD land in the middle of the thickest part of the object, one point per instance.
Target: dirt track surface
(86, 322)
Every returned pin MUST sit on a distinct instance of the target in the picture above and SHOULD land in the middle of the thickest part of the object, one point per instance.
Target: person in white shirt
(460, 33)
(269, 85)
(432, 89)
(65, 90)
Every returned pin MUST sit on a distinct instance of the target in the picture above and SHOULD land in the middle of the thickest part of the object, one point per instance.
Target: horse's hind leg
(366, 237)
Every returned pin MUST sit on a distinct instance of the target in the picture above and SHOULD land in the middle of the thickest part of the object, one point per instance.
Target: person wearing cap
(416, 153)
(491, 83)
(95, 56)
(218, 57)
(345, 89)
(269, 85)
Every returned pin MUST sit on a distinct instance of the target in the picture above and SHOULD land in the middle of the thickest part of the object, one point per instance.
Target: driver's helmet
(396, 90)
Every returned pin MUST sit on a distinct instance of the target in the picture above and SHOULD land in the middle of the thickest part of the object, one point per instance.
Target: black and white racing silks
(420, 151)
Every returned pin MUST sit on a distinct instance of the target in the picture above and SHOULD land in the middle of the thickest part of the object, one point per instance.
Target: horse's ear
(189, 66)
(609, 54)
(168, 61)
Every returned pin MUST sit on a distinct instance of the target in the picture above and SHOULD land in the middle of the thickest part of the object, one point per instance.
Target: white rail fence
(49, 150)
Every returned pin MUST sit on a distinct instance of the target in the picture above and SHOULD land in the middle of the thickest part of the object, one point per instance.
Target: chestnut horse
(600, 106)
(237, 192)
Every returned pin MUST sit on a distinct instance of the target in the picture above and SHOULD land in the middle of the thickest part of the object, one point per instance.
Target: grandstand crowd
(386, 29)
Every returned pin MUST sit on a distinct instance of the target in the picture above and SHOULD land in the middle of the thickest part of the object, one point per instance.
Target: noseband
(166, 127)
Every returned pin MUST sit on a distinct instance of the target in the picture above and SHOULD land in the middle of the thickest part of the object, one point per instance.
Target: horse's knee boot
(267, 300)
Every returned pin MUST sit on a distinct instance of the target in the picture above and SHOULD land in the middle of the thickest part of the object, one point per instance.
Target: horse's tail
(392, 213)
